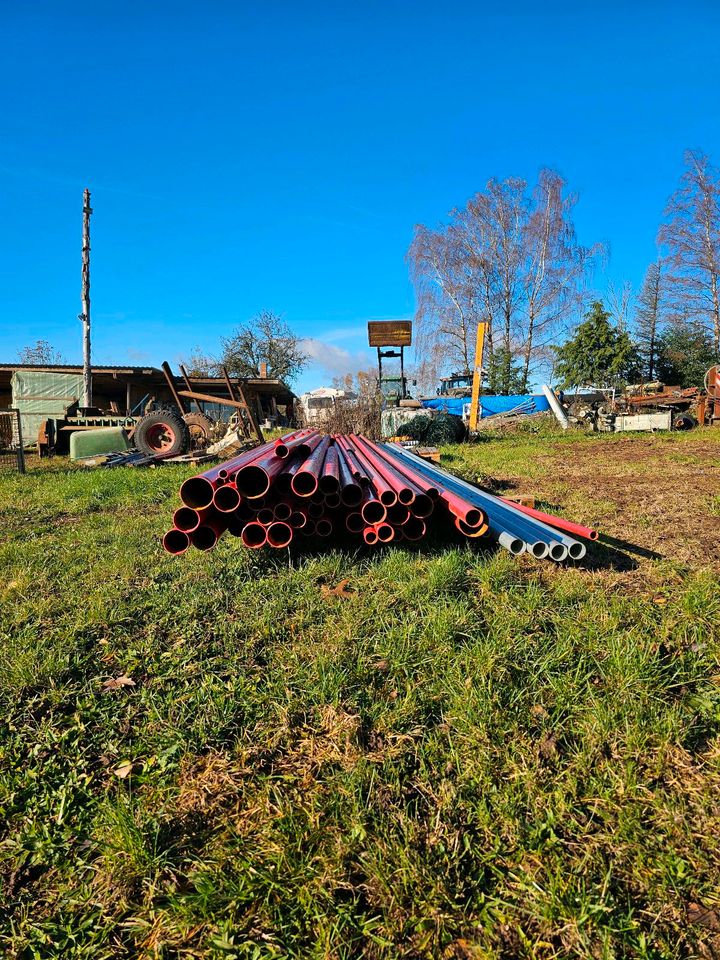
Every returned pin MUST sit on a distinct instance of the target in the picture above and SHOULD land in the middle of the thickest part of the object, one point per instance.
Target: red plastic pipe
(577, 529)
(383, 488)
(329, 482)
(254, 535)
(305, 481)
(279, 535)
(226, 498)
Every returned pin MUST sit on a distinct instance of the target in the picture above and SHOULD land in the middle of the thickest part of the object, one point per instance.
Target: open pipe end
(370, 536)
(297, 520)
(577, 550)
(204, 538)
(332, 501)
(388, 498)
(385, 532)
(265, 516)
(514, 545)
(474, 532)
(323, 528)
(309, 529)
(558, 552)
(252, 481)
(254, 535)
(186, 519)
(226, 499)
(197, 492)
(414, 529)
(354, 522)
(315, 510)
(373, 512)
(352, 495)
(279, 535)
(282, 511)
(176, 542)
(422, 506)
(398, 514)
(406, 496)
(304, 483)
(539, 550)
(329, 484)
(282, 451)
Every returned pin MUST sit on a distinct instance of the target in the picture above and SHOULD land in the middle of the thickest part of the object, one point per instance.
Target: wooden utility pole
(85, 296)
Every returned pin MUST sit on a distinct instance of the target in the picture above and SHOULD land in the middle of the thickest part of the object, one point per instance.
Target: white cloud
(333, 360)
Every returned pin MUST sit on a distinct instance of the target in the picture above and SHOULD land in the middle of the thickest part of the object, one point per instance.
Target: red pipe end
(254, 535)
(226, 498)
(279, 535)
(370, 536)
(197, 492)
(186, 519)
(176, 542)
(204, 538)
(385, 532)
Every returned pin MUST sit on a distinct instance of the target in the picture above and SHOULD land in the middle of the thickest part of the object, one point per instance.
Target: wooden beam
(171, 384)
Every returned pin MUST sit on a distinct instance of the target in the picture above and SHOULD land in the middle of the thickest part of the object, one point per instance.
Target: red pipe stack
(309, 485)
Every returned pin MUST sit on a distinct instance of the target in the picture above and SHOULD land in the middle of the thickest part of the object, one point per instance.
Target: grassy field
(468, 756)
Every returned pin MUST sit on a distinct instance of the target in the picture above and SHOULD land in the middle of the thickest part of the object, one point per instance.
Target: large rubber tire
(201, 430)
(162, 432)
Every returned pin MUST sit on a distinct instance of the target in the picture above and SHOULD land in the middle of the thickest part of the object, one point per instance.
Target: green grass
(473, 756)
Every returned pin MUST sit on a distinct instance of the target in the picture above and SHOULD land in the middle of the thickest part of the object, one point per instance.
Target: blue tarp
(488, 404)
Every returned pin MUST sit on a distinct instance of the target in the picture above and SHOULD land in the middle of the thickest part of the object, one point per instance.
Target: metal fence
(12, 456)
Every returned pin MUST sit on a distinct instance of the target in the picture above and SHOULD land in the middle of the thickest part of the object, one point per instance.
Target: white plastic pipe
(555, 406)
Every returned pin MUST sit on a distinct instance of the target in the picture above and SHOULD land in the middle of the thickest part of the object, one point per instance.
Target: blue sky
(277, 155)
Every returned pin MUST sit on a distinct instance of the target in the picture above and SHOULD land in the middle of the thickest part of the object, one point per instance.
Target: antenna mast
(85, 295)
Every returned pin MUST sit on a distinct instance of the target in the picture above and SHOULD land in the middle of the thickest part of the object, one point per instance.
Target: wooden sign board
(390, 333)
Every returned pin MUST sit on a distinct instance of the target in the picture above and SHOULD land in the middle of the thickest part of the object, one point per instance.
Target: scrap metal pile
(309, 485)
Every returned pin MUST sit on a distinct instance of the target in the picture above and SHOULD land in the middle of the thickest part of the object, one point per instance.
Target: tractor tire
(201, 430)
(162, 432)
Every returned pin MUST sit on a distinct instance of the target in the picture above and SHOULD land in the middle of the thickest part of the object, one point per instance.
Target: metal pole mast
(85, 315)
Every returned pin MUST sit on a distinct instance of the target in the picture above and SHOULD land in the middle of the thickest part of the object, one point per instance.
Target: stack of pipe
(309, 485)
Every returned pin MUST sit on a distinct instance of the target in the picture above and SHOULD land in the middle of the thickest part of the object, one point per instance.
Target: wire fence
(12, 456)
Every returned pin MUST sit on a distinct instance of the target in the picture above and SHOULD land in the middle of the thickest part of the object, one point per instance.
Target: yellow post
(477, 376)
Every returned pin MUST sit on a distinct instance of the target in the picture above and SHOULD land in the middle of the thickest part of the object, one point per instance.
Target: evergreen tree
(685, 353)
(504, 375)
(648, 320)
(598, 355)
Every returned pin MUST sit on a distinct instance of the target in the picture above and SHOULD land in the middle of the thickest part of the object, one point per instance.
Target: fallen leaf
(382, 666)
(703, 917)
(548, 748)
(660, 599)
(115, 683)
(124, 769)
(341, 590)
(538, 711)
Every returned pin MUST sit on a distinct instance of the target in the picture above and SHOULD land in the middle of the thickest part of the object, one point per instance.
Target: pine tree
(685, 353)
(598, 355)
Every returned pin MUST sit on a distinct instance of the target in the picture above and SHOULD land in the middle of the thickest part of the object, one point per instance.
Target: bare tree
(691, 236)
(619, 300)
(41, 353)
(649, 318)
(508, 258)
(267, 340)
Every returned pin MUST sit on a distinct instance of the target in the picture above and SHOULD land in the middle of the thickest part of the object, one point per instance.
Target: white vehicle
(319, 404)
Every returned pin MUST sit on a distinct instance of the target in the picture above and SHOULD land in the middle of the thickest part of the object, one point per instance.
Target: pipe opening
(282, 511)
(558, 551)
(329, 483)
(265, 516)
(422, 506)
(304, 483)
(370, 536)
(226, 499)
(388, 497)
(297, 520)
(315, 510)
(176, 542)
(385, 532)
(539, 550)
(279, 534)
(352, 495)
(252, 481)
(197, 492)
(254, 535)
(577, 550)
(204, 538)
(323, 528)
(309, 529)
(186, 519)
(354, 522)
(373, 512)
(414, 529)
(406, 496)
(398, 514)
(332, 501)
